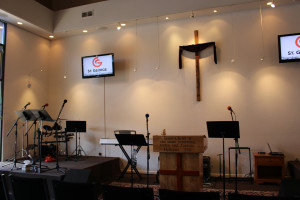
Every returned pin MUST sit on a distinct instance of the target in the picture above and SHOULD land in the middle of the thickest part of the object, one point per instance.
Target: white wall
(264, 94)
(30, 11)
(26, 56)
(116, 11)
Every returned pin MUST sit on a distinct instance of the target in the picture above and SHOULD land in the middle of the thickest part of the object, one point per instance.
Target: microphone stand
(148, 152)
(236, 154)
(56, 135)
(15, 144)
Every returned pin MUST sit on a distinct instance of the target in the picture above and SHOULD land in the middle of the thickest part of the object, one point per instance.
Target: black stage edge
(103, 169)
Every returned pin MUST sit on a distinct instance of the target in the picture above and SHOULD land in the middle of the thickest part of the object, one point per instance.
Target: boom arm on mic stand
(56, 129)
(148, 150)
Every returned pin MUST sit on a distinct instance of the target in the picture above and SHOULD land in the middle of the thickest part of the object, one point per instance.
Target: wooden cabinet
(268, 168)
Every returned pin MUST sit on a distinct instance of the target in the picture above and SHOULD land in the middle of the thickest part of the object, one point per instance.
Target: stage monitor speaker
(78, 176)
(289, 188)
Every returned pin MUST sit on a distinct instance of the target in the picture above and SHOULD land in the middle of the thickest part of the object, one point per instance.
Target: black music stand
(130, 140)
(77, 127)
(41, 115)
(25, 116)
(223, 129)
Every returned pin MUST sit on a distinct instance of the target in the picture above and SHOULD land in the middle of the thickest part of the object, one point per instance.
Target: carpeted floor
(244, 186)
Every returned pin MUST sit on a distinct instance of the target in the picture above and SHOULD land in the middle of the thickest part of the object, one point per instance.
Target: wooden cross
(179, 172)
(197, 58)
(197, 48)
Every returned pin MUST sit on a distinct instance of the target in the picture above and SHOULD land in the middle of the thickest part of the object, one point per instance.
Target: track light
(271, 3)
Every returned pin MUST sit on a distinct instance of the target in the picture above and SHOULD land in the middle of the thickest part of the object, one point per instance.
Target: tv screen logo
(97, 62)
(298, 41)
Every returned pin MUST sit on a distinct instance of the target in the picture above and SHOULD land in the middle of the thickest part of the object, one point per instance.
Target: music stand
(41, 115)
(25, 116)
(77, 127)
(223, 129)
(130, 140)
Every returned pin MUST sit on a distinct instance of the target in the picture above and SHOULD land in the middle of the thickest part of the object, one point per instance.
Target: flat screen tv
(98, 65)
(289, 47)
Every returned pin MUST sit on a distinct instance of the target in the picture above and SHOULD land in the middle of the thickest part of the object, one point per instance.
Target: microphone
(45, 105)
(27, 105)
(65, 101)
(147, 115)
(230, 109)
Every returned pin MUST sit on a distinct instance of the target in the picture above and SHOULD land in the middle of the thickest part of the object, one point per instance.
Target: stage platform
(103, 169)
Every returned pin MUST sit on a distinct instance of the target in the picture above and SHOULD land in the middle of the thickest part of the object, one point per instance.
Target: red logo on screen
(298, 41)
(97, 62)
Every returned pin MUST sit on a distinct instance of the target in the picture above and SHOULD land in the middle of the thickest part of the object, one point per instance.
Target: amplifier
(206, 169)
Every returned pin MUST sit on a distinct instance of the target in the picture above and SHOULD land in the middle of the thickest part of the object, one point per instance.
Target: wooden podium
(181, 161)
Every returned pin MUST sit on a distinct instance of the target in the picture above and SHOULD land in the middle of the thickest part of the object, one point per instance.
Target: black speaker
(206, 169)
(78, 176)
(48, 150)
(289, 188)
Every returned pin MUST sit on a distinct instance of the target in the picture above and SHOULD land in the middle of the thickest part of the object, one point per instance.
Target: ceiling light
(215, 11)
(20, 23)
(271, 3)
(123, 24)
(167, 18)
(51, 36)
(1, 27)
(192, 15)
(85, 31)
(119, 27)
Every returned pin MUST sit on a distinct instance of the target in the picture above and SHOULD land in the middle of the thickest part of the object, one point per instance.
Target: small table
(268, 168)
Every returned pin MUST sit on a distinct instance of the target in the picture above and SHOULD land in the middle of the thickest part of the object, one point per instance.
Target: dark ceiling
(64, 4)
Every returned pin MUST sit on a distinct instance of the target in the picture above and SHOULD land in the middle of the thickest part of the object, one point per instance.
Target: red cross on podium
(179, 172)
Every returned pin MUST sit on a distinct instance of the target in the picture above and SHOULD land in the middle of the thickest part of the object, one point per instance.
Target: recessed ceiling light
(85, 31)
(123, 24)
(167, 18)
(119, 27)
(269, 3)
(51, 36)
(215, 11)
(273, 5)
(20, 23)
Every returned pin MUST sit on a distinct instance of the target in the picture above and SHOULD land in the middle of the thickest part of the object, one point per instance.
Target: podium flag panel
(181, 161)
